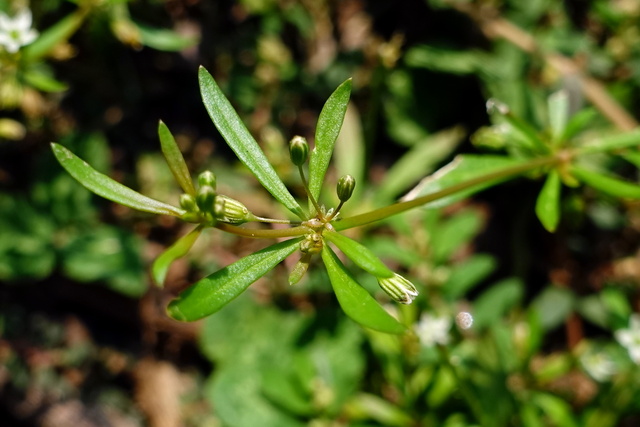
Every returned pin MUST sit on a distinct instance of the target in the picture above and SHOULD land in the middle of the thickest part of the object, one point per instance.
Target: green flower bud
(206, 199)
(231, 211)
(298, 150)
(207, 178)
(188, 203)
(312, 244)
(345, 187)
(398, 288)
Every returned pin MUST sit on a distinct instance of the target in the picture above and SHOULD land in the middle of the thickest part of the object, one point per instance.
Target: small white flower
(630, 338)
(598, 365)
(433, 330)
(398, 288)
(16, 32)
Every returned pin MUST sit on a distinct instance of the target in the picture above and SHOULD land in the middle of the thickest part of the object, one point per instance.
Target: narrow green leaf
(558, 105)
(163, 39)
(106, 187)
(210, 294)
(463, 168)
(177, 250)
(241, 142)
(175, 160)
(327, 130)
(548, 203)
(613, 142)
(359, 254)
(606, 184)
(355, 300)
(57, 33)
(41, 79)
(578, 122)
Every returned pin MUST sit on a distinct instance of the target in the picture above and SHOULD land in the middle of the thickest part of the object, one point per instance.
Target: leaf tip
(175, 313)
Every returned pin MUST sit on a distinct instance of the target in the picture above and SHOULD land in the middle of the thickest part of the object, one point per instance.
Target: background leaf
(241, 142)
(613, 186)
(548, 202)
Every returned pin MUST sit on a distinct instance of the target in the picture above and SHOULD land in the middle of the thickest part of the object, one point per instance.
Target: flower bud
(206, 199)
(231, 211)
(188, 203)
(298, 150)
(312, 244)
(207, 178)
(398, 288)
(345, 187)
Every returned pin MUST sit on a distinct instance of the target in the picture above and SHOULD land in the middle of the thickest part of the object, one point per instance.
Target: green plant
(556, 152)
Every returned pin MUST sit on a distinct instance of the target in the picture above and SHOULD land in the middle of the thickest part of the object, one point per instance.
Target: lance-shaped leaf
(213, 292)
(613, 186)
(355, 300)
(57, 33)
(177, 250)
(359, 254)
(175, 160)
(464, 168)
(106, 187)
(558, 105)
(548, 203)
(241, 142)
(327, 130)
(613, 142)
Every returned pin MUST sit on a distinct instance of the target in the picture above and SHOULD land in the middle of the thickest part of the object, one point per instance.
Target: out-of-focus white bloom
(598, 365)
(433, 330)
(464, 320)
(16, 32)
(398, 288)
(630, 338)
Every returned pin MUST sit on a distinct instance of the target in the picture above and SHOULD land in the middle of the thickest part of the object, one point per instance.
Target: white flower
(630, 338)
(16, 32)
(598, 365)
(398, 288)
(433, 330)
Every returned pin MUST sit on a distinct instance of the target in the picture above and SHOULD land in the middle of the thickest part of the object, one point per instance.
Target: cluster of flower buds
(209, 208)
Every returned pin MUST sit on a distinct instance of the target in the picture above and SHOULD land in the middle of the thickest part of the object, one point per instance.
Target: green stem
(275, 221)
(382, 213)
(265, 234)
(306, 188)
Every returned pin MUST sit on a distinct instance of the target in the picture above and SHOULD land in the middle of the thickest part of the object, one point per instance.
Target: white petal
(5, 22)
(624, 337)
(29, 37)
(22, 20)
(12, 46)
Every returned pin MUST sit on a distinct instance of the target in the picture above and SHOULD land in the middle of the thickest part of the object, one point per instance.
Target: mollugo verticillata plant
(552, 151)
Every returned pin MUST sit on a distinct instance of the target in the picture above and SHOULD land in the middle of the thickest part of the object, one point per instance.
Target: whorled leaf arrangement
(551, 152)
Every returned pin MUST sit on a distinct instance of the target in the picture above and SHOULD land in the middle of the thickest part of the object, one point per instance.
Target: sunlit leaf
(241, 142)
(179, 249)
(613, 186)
(106, 187)
(548, 203)
(175, 160)
(327, 130)
(359, 254)
(355, 300)
(210, 294)
(558, 105)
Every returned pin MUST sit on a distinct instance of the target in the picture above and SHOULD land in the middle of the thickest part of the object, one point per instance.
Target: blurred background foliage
(83, 335)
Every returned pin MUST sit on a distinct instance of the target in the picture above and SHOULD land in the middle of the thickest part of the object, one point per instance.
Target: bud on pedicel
(398, 288)
(207, 178)
(206, 199)
(345, 187)
(188, 203)
(298, 150)
(231, 211)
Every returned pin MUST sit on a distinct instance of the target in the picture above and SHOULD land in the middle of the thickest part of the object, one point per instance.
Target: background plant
(588, 262)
